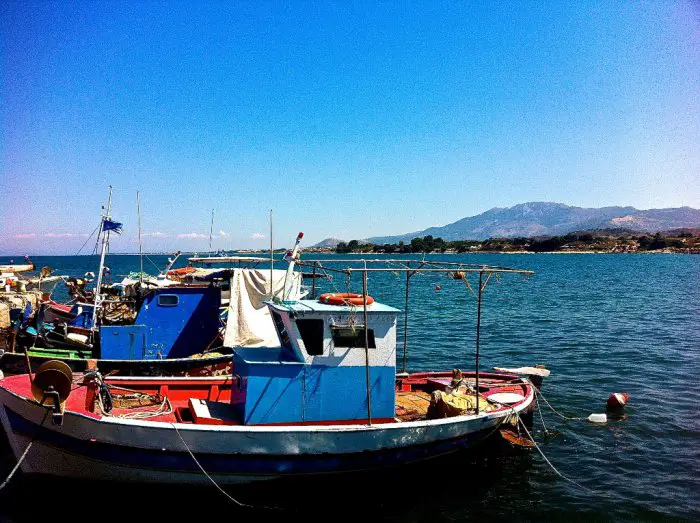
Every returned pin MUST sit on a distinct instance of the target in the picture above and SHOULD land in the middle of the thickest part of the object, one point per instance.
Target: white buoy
(598, 418)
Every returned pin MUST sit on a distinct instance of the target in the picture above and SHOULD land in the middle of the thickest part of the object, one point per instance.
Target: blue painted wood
(127, 342)
(173, 322)
(283, 391)
(83, 318)
(178, 331)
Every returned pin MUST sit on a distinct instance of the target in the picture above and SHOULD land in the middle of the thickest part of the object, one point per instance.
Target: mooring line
(554, 410)
(549, 462)
(240, 504)
(24, 454)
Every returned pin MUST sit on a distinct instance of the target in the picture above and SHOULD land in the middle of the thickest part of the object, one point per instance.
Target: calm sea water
(601, 324)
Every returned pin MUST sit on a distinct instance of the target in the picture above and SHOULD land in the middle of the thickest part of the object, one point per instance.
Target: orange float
(345, 298)
(182, 271)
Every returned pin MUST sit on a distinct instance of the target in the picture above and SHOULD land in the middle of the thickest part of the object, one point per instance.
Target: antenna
(211, 230)
(272, 259)
(138, 211)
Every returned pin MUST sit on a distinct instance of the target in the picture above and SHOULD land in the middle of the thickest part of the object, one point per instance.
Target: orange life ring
(344, 298)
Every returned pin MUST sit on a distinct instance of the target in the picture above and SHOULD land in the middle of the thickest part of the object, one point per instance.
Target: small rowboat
(25, 267)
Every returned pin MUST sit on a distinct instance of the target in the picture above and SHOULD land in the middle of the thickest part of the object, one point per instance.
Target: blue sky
(347, 119)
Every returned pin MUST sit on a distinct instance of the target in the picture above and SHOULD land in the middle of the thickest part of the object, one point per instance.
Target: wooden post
(29, 365)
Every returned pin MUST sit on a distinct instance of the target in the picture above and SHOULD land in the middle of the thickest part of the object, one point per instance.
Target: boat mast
(105, 245)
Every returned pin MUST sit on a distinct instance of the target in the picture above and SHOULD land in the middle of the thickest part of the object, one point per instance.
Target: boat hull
(129, 450)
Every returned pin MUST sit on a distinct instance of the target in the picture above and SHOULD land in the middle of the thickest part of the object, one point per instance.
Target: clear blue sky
(347, 119)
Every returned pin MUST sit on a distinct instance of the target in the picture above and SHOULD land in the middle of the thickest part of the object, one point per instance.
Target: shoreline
(246, 252)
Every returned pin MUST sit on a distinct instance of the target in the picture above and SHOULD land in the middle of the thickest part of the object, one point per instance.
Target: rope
(84, 244)
(240, 504)
(547, 460)
(540, 411)
(161, 411)
(554, 410)
(153, 263)
(24, 454)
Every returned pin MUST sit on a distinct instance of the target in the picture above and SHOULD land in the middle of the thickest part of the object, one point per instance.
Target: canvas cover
(249, 323)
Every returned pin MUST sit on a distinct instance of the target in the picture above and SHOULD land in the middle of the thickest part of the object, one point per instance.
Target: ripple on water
(602, 324)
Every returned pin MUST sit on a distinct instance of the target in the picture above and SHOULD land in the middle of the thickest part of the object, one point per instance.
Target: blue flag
(109, 225)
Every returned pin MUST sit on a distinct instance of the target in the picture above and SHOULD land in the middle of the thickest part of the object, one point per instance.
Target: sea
(602, 323)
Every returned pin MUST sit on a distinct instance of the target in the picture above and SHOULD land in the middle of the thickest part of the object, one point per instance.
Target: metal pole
(313, 284)
(478, 335)
(211, 230)
(105, 244)
(405, 324)
(369, 395)
(272, 260)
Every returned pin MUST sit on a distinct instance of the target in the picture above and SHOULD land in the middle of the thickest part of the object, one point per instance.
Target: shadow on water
(460, 486)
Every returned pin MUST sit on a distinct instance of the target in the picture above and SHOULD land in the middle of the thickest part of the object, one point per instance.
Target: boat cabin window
(168, 300)
(312, 335)
(281, 331)
(352, 336)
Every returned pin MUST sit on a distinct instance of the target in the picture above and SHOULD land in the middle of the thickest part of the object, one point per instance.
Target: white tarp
(249, 322)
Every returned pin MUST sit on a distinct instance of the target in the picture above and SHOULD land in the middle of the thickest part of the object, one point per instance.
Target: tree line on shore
(604, 241)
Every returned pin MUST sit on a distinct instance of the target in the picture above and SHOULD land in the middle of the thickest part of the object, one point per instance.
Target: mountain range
(552, 219)
(328, 242)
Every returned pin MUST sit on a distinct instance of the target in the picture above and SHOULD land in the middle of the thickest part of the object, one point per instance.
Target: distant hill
(551, 219)
(328, 242)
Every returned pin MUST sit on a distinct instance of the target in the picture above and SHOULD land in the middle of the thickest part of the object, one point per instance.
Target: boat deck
(207, 401)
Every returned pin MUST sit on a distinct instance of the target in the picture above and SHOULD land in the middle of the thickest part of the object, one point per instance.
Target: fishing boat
(12, 267)
(327, 400)
(13, 278)
(21, 297)
(159, 326)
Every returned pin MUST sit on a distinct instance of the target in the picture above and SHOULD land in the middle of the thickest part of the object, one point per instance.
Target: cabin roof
(227, 259)
(267, 355)
(308, 306)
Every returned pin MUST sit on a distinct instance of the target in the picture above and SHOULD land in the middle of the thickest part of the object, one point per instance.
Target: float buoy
(437, 288)
(598, 418)
(345, 298)
(617, 400)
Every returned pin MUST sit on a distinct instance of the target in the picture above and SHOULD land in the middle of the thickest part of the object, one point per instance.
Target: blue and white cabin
(319, 372)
